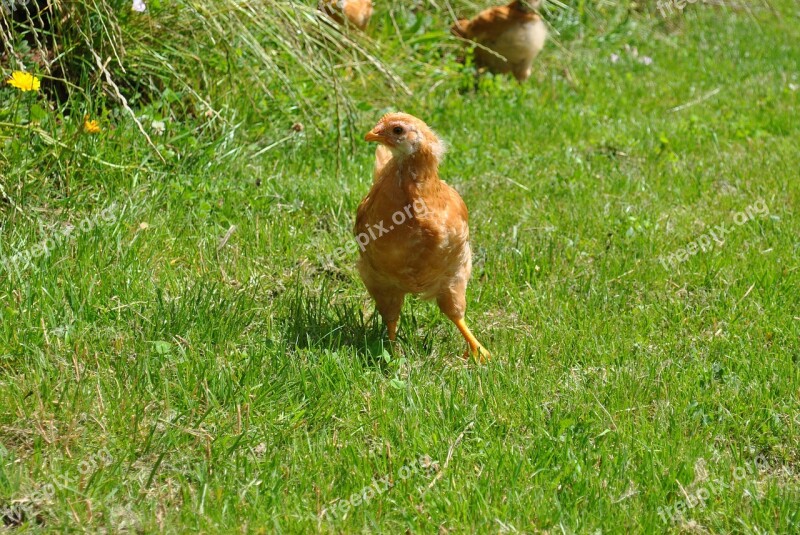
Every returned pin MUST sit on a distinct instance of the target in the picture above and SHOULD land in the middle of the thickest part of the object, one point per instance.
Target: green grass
(154, 379)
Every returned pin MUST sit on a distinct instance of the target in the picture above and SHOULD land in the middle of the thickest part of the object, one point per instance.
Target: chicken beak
(373, 136)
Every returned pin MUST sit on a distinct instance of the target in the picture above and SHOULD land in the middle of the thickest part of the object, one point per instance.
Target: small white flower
(646, 60)
(138, 6)
(614, 58)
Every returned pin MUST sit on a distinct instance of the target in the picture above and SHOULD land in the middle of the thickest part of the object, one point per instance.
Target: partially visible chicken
(516, 32)
(412, 228)
(356, 12)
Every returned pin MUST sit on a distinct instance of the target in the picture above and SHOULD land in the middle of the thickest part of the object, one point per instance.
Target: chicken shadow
(321, 321)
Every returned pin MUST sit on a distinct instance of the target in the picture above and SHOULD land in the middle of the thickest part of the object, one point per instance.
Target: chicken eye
(397, 130)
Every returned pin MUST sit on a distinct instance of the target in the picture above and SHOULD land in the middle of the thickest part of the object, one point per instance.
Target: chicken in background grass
(356, 12)
(412, 228)
(516, 32)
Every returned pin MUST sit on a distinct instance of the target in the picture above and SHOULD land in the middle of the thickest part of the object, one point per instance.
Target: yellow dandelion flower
(24, 81)
(91, 127)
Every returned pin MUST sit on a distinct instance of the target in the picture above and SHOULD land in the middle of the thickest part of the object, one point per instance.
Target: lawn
(178, 354)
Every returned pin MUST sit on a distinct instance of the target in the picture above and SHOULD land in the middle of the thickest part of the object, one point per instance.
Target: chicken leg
(388, 302)
(480, 353)
(453, 304)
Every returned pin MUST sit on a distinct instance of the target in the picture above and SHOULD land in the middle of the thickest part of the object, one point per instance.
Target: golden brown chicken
(355, 12)
(516, 32)
(412, 228)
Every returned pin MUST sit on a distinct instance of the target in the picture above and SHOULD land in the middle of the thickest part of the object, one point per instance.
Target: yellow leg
(475, 347)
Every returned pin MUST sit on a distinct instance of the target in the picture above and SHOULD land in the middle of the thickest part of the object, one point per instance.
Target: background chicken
(417, 236)
(515, 32)
(356, 12)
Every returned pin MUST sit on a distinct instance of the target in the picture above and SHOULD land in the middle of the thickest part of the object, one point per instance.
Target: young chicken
(356, 12)
(515, 32)
(412, 229)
